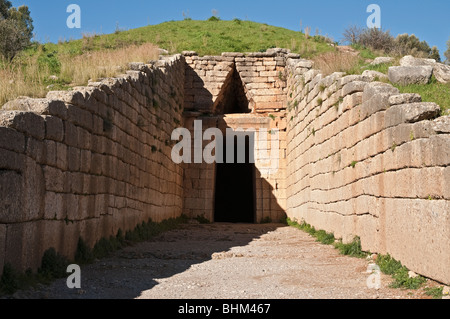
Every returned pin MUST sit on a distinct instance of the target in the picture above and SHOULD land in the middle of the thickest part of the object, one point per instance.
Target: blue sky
(428, 20)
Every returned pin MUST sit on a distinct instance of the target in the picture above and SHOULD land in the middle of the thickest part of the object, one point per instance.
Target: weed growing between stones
(202, 219)
(387, 264)
(352, 249)
(390, 266)
(321, 236)
(435, 292)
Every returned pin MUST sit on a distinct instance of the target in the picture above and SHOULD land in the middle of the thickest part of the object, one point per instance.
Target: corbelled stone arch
(233, 97)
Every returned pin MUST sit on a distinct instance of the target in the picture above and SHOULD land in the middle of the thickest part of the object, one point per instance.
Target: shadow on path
(136, 269)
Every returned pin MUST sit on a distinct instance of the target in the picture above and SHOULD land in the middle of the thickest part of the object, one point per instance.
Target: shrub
(352, 34)
(83, 254)
(16, 29)
(410, 45)
(377, 39)
(9, 282)
(53, 265)
(214, 18)
(12, 39)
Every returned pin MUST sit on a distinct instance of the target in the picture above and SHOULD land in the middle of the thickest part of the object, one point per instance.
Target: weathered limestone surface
(88, 162)
(405, 75)
(440, 70)
(261, 73)
(367, 161)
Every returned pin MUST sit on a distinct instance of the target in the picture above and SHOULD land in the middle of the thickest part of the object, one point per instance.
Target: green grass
(206, 37)
(383, 67)
(320, 235)
(353, 249)
(402, 280)
(435, 292)
(399, 273)
(387, 264)
(34, 69)
(435, 91)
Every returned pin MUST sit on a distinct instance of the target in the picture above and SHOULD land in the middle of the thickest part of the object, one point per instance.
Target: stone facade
(261, 91)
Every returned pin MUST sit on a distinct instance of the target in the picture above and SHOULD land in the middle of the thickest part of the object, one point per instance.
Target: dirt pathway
(225, 261)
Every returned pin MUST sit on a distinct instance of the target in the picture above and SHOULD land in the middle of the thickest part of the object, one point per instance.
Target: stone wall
(364, 160)
(88, 162)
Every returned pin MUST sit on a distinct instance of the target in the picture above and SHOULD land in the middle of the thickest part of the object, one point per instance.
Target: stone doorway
(235, 193)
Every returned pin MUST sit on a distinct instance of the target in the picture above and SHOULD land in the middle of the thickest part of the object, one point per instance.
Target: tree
(16, 29)
(23, 17)
(352, 34)
(13, 39)
(435, 54)
(447, 53)
(4, 7)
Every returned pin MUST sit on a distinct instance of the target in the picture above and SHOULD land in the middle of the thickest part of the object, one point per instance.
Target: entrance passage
(235, 186)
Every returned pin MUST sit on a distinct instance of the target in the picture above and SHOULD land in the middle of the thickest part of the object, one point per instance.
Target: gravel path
(225, 261)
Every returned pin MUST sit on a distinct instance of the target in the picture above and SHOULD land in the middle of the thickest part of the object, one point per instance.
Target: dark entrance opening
(235, 185)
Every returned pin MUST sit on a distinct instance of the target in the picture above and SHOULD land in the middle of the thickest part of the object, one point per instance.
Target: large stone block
(23, 247)
(374, 88)
(375, 75)
(2, 245)
(12, 161)
(409, 60)
(33, 191)
(405, 98)
(54, 128)
(417, 233)
(441, 125)
(353, 87)
(12, 199)
(411, 113)
(29, 123)
(376, 103)
(54, 179)
(12, 140)
(442, 72)
(405, 75)
(72, 97)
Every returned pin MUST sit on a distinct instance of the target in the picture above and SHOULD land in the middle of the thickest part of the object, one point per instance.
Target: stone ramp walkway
(225, 261)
